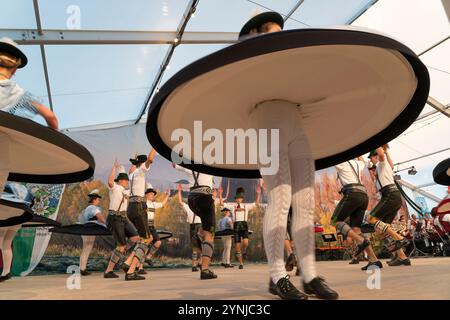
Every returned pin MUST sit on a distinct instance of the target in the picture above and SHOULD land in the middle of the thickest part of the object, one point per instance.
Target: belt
(137, 199)
(388, 188)
(201, 190)
(118, 213)
(353, 187)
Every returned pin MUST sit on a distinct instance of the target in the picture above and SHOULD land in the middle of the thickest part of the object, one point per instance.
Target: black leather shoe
(207, 274)
(241, 266)
(84, 272)
(320, 289)
(291, 262)
(229, 266)
(361, 247)
(354, 261)
(110, 275)
(398, 262)
(7, 277)
(372, 265)
(142, 271)
(133, 276)
(286, 290)
(194, 269)
(398, 244)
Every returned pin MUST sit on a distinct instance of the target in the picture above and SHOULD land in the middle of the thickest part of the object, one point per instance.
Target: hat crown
(9, 41)
(94, 192)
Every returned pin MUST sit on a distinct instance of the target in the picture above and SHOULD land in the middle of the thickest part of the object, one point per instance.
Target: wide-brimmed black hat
(139, 159)
(225, 210)
(9, 46)
(94, 194)
(259, 20)
(150, 190)
(122, 176)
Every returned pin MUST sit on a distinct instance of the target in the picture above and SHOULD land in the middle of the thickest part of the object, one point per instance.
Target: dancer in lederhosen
(353, 206)
(239, 212)
(385, 211)
(92, 214)
(152, 205)
(293, 184)
(122, 229)
(195, 224)
(137, 205)
(201, 202)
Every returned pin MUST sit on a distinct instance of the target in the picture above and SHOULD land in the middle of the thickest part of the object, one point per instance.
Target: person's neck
(4, 76)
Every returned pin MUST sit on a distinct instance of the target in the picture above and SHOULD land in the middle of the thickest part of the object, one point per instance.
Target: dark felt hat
(122, 176)
(139, 159)
(372, 153)
(260, 19)
(150, 190)
(9, 46)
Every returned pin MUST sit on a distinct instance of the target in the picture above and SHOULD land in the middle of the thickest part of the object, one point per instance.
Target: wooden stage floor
(427, 278)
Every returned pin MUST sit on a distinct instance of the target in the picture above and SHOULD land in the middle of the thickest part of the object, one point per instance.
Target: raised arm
(180, 198)
(150, 158)
(381, 154)
(258, 193)
(220, 192)
(47, 114)
(112, 174)
(166, 198)
(228, 190)
(388, 157)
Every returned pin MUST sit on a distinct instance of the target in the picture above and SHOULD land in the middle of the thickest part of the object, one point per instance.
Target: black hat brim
(94, 196)
(261, 19)
(151, 190)
(16, 52)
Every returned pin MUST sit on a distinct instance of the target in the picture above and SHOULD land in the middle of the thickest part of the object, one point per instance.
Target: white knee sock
(88, 244)
(275, 218)
(7, 253)
(303, 215)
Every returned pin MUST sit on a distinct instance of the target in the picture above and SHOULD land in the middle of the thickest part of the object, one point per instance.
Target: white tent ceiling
(100, 72)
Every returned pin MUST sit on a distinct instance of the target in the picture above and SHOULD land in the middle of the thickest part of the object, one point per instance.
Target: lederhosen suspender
(356, 172)
(131, 184)
(195, 175)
